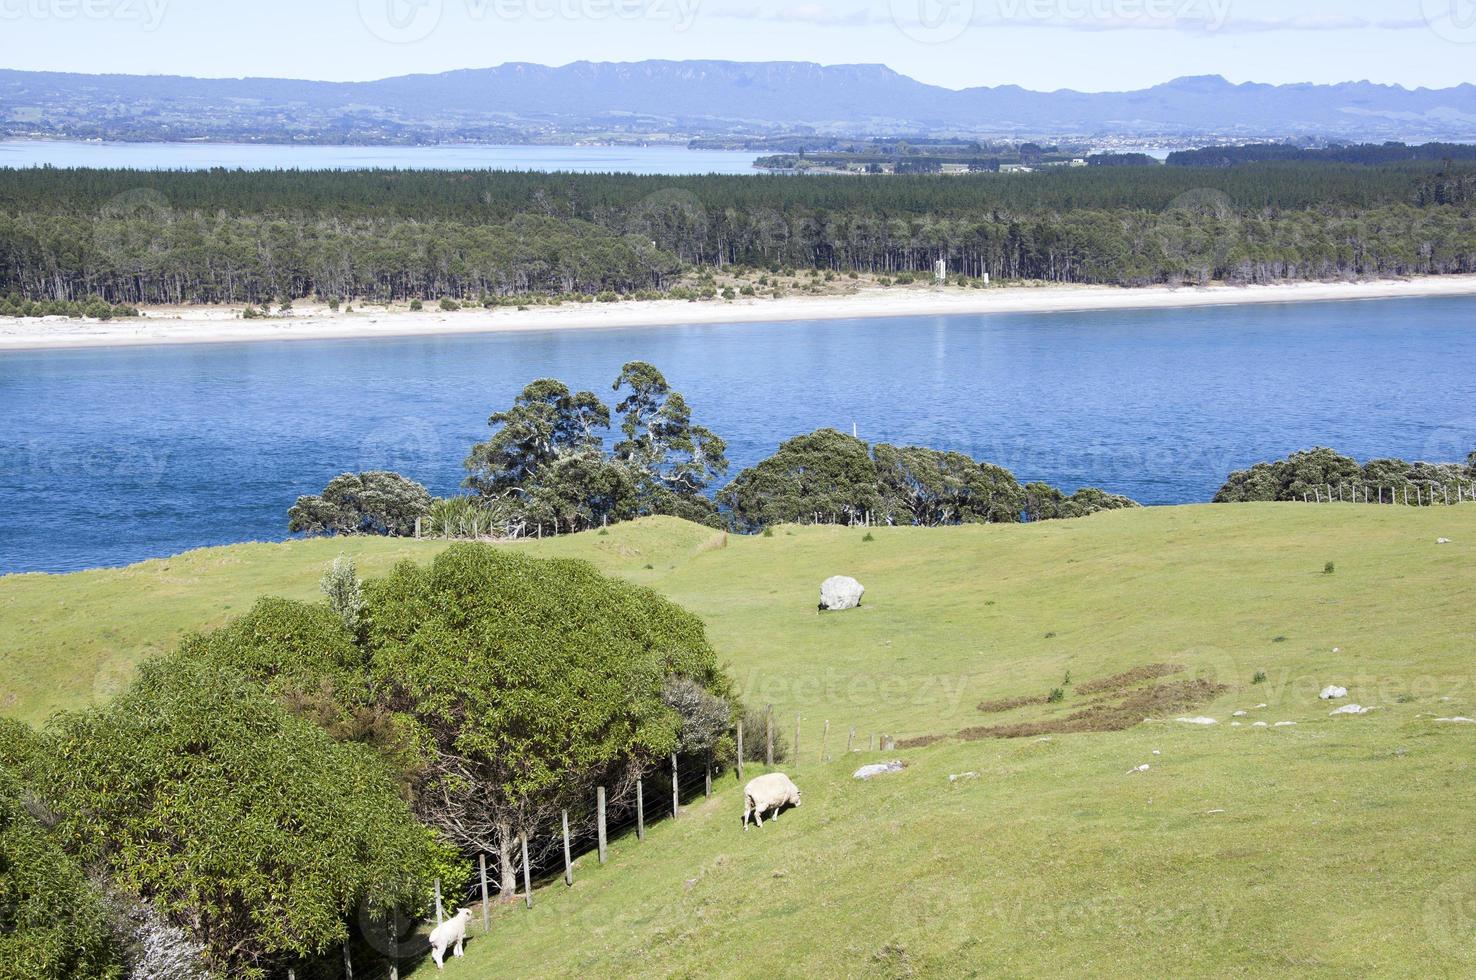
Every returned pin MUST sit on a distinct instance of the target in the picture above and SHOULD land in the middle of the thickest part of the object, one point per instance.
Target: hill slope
(713, 97)
(1339, 845)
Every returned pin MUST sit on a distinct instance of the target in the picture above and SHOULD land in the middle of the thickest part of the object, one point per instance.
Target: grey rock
(840, 592)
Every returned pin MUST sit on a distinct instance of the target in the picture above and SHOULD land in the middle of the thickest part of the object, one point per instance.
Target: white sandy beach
(193, 325)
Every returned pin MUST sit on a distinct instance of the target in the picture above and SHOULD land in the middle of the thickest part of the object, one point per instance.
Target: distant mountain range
(706, 98)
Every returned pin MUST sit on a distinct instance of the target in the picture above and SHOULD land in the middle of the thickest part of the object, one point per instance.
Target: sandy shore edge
(223, 325)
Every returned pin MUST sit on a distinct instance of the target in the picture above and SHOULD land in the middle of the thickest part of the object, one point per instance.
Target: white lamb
(770, 791)
(450, 933)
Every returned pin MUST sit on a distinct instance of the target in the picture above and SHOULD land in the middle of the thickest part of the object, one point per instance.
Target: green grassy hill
(1335, 846)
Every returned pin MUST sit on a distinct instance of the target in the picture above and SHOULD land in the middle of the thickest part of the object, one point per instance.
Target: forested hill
(712, 97)
(230, 236)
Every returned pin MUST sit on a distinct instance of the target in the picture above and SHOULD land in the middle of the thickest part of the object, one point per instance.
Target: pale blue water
(109, 456)
(254, 156)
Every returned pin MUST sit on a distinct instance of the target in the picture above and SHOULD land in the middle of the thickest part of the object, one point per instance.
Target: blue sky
(1092, 45)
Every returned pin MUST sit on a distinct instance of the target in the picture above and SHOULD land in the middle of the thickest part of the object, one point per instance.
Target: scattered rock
(1142, 768)
(840, 592)
(1156, 752)
(1332, 692)
(1260, 706)
(1208, 812)
(1235, 724)
(1239, 714)
(1284, 724)
(689, 884)
(954, 777)
(1458, 720)
(780, 873)
(1442, 540)
(1259, 724)
(1200, 720)
(1337, 649)
(1350, 709)
(878, 768)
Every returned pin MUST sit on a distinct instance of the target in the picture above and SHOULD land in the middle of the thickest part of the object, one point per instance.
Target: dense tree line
(830, 477)
(299, 779)
(1369, 154)
(1314, 471)
(231, 237)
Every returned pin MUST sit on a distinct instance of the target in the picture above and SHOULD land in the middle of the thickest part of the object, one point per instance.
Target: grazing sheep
(450, 933)
(770, 791)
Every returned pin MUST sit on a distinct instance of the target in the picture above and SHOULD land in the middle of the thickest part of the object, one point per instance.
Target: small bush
(1278, 639)
(753, 737)
(1327, 569)
(449, 304)
(869, 537)
(1056, 696)
(416, 306)
(768, 532)
(1259, 677)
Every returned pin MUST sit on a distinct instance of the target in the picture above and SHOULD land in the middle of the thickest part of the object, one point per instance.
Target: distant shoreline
(222, 324)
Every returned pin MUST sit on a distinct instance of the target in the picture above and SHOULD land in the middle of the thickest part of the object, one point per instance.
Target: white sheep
(770, 791)
(450, 933)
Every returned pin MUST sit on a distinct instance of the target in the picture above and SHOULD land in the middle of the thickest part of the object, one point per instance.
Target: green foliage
(661, 442)
(373, 502)
(251, 828)
(416, 305)
(1056, 696)
(449, 305)
(706, 719)
(531, 680)
(52, 925)
(1259, 677)
(828, 476)
(824, 473)
(1328, 568)
(544, 423)
(468, 517)
(1321, 473)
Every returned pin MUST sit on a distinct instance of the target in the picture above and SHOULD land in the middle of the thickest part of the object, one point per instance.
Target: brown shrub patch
(1009, 704)
(1147, 672)
(1110, 716)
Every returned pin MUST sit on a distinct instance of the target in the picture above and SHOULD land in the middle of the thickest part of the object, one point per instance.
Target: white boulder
(1333, 692)
(1201, 720)
(1350, 709)
(1458, 720)
(840, 592)
(1442, 540)
(877, 769)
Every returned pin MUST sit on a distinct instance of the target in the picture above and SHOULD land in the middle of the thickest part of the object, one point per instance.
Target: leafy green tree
(251, 828)
(1290, 478)
(373, 502)
(821, 474)
(930, 488)
(340, 583)
(531, 681)
(582, 490)
(1044, 502)
(545, 423)
(52, 924)
(661, 442)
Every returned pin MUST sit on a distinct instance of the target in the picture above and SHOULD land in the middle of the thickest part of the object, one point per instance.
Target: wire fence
(1414, 493)
(545, 856)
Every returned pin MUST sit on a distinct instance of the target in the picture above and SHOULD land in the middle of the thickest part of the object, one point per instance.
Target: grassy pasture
(1336, 846)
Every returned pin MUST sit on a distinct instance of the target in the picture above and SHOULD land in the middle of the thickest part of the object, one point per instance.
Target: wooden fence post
(640, 810)
(527, 874)
(600, 820)
(348, 963)
(568, 864)
(795, 755)
(707, 779)
(486, 915)
(676, 792)
(439, 916)
(850, 740)
(740, 750)
(769, 736)
(824, 736)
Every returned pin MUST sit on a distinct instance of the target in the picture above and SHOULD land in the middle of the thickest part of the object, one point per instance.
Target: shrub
(251, 828)
(1259, 677)
(706, 719)
(868, 536)
(52, 924)
(532, 681)
(449, 305)
(1327, 569)
(373, 502)
(753, 737)
(340, 583)
(1056, 696)
(416, 306)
